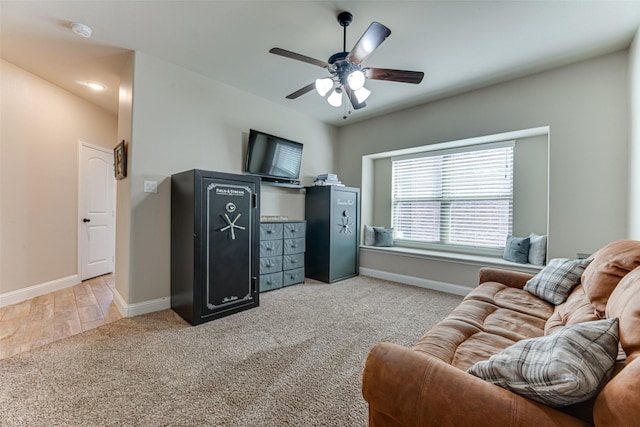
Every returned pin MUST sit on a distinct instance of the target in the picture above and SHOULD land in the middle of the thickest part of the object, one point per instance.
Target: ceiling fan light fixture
(335, 99)
(323, 86)
(362, 94)
(356, 79)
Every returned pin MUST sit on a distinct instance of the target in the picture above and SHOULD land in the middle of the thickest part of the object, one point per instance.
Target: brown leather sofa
(428, 385)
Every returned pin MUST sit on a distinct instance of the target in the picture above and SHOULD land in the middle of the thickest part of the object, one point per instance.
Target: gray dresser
(282, 248)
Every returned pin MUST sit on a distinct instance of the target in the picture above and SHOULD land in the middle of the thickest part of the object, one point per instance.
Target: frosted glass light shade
(362, 94)
(335, 98)
(356, 80)
(323, 86)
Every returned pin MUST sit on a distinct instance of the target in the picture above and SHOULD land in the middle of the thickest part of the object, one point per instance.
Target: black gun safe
(215, 244)
(333, 232)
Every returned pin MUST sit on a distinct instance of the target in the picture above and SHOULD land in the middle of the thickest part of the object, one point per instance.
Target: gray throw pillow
(567, 367)
(537, 249)
(516, 249)
(384, 236)
(555, 281)
(369, 235)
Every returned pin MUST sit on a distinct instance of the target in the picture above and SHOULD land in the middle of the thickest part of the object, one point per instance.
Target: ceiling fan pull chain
(344, 116)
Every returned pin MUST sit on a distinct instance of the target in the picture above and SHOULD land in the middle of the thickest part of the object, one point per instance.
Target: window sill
(479, 260)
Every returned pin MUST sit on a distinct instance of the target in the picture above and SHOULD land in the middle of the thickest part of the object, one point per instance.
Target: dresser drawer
(291, 277)
(270, 248)
(293, 246)
(270, 231)
(293, 230)
(271, 264)
(270, 281)
(290, 262)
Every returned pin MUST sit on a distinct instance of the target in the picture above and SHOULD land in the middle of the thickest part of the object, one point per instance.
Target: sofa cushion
(610, 264)
(514, 299)
(554, 282)
(491, 318)
(624, 303)
(576, 309)
(561, 369)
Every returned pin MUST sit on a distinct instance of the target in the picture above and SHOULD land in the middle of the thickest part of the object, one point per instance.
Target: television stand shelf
(282, 184)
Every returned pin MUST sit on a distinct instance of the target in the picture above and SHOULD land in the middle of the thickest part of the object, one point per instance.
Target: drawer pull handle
(293, 261)
(269, 231)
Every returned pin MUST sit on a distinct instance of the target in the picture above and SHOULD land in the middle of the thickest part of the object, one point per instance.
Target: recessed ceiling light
(81, 29)
(96, 86)
(93, 85)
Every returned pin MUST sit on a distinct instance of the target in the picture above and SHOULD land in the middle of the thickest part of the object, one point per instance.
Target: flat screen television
(274, 159)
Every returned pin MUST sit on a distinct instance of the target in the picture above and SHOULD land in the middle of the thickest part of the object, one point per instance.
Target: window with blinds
(461, 197)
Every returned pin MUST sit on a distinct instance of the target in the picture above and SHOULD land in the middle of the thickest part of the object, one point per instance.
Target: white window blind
(461, 197)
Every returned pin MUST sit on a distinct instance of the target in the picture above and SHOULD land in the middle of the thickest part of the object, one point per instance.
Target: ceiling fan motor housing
(345, 18)
(342, 67)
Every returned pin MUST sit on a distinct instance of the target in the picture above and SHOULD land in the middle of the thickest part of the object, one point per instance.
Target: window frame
(444, 230)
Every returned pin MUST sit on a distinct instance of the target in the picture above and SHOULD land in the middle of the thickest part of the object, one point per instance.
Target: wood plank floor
(57, 315)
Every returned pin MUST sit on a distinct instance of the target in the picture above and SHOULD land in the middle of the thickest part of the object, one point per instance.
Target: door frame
(80, 200)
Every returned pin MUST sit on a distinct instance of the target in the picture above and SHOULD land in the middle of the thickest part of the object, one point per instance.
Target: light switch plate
(151, 186)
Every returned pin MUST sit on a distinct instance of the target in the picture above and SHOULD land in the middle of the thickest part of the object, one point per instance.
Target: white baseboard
(417, 281)
(20, 295)
(138, 308)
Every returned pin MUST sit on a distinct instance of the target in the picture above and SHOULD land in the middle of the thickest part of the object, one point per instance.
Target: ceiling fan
(347, 73)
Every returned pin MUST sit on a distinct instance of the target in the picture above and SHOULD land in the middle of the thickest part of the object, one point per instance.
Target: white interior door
(96, 211)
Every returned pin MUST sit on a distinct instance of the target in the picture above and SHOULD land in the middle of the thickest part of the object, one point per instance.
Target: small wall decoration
(120, 160)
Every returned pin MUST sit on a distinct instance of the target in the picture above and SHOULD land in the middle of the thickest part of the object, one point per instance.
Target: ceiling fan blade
(300, 92)
(402, 76)
(370, 40)
(354, 101)
(298, 57)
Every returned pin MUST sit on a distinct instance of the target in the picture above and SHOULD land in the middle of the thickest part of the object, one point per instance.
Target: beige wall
(123, 186)
(181, 121)
(41, 126)
(584, 104)
(634, 138)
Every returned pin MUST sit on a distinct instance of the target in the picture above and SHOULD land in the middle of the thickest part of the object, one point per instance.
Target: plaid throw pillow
(561, 369)
(554, 282)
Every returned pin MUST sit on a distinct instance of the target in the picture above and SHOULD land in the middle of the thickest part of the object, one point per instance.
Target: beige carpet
(296, 360)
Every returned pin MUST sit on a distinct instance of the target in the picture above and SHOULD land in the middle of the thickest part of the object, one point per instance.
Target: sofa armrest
(513, 279)
(618, 403)
(407, 388)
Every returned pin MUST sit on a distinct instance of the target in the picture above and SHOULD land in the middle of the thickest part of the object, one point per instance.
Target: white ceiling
(459, 45)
